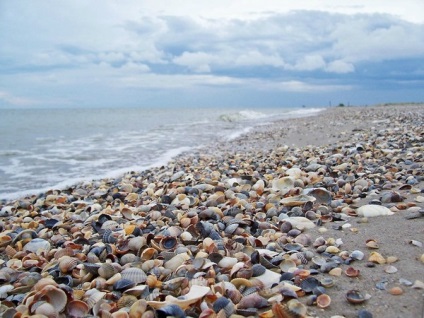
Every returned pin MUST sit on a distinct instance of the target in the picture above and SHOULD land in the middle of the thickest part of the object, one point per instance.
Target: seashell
(252, 301)
(396, 291)
(108, 237)
(258, 270)
(225, 304)
(321, 195)
(418, 285)
(389, 269)
(327, 282)
(297, 200)
(293, 308)
(176, 261)
(416, 243)
(44, 309)
(126, 300)
(136, 275)
(355, 297)
(303, 239)
(337, 271)
(309, 283)
(372, 210)
(106, 270)
(168, 242)
(283, 185)
(356, 254)
(319, 260)
(67, 264)
(170, 310)
(136, 290)
(287, 265)
(376, 258)
(123, 284)
(77, 309)
(56, 297)
(300, 222)
(37, 246)
(371, 243)
(332, 250)
(323, 301)
(148, 254)
(352, 272)
(138, 308)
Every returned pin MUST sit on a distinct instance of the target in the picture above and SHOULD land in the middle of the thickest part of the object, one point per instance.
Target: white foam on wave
(241, 115)
(162, 160)
(239, 133)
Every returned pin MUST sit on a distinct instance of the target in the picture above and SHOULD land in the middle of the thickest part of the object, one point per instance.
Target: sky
(149, 53)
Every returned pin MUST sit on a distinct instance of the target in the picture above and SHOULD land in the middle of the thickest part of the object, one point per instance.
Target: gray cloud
(299, 51)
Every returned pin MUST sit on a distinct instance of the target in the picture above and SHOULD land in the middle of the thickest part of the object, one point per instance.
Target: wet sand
(381, 146)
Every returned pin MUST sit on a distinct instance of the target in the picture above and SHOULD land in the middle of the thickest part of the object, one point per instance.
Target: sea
(42, 149)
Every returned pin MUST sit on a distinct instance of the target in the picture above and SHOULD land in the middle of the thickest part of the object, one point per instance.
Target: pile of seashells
(220, 236)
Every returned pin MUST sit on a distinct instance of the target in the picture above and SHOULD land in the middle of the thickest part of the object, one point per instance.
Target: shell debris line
(230, 231)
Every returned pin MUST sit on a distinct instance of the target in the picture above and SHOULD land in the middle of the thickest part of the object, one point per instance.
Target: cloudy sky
(79, 53)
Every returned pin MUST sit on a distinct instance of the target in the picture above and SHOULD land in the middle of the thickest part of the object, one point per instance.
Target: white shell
(300, 222)
(283, 184)
(269, 278)
(372, 210)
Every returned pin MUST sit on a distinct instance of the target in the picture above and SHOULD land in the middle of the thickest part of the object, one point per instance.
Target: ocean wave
(241, 116)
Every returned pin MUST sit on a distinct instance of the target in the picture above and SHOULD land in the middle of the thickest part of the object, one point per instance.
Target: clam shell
(355, 297)
(252, 301)
(372, 210)
(56, 297)
(321, 195)
(323, 301)
(283, 185)
(77, 309)
(37, 246)
(225, 304)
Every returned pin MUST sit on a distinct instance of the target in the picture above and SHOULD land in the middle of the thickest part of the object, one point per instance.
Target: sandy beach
(294, 200)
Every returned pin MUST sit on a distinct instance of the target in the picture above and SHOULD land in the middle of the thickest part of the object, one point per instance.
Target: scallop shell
(67, 264)
(225, 304)
(107, 270)
(136, 275)
(372, 210)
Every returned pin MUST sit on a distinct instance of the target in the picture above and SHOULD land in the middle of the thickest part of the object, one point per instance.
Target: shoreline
(358, 154)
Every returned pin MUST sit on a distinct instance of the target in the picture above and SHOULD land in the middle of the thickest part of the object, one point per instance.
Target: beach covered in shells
(311, 217)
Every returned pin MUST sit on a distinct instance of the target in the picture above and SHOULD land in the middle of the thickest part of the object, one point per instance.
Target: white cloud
(103, 46)
(340, 67)
(197, 61)
(310, 63)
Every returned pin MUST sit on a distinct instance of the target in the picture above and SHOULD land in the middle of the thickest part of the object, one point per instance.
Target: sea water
(42, 149)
